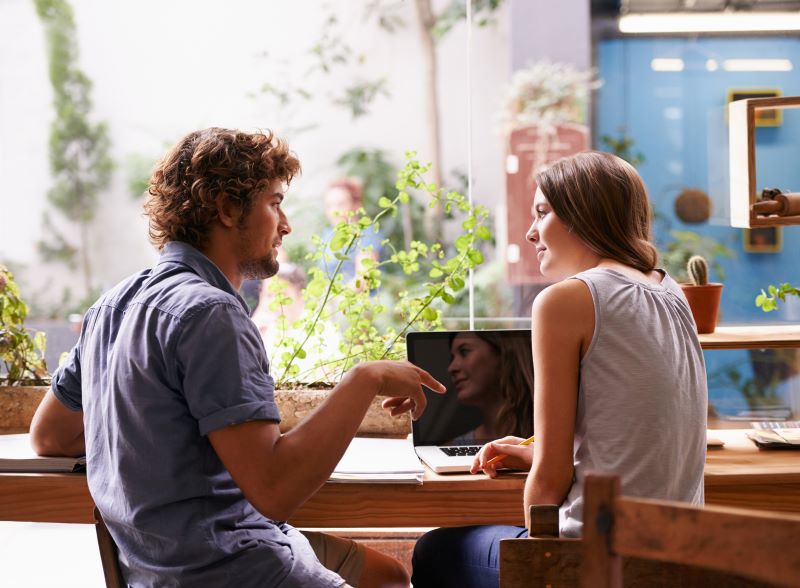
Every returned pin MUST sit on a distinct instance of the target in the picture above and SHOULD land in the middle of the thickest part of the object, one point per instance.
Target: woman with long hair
(620, 379)
(494, 374)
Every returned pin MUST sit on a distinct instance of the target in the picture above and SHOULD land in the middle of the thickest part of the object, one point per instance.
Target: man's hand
(401, 381)
(518, 457)
(268, 471)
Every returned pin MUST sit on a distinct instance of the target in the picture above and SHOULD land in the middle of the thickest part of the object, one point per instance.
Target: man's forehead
(276, 188)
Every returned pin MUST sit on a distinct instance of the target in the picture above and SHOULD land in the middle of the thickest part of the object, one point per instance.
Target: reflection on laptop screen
(489, 379)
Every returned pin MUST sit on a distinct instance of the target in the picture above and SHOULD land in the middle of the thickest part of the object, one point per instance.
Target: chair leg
(109, 555)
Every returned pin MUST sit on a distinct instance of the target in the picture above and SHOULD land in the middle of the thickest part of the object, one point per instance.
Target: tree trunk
(86, 265)
(426, 21)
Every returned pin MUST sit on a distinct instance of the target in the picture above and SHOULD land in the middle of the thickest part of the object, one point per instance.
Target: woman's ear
(228, 211)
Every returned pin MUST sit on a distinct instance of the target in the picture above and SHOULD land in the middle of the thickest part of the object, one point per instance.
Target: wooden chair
(109, 555)
(745, 543)
(544, 559)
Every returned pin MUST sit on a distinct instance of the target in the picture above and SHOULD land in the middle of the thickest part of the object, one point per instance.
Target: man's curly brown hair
(182, 202)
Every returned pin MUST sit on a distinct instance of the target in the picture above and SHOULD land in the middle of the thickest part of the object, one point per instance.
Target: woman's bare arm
(562, 328)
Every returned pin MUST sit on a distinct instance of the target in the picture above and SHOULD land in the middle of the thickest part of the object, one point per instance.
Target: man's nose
(284, 227)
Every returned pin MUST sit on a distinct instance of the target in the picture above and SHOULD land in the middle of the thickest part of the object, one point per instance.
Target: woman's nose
(451, 369)
(532, 235)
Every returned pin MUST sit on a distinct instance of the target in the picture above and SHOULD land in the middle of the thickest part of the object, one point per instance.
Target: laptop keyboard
(764, 425)
(462, 450)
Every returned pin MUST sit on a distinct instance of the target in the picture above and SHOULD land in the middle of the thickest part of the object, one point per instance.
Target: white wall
(164, 67)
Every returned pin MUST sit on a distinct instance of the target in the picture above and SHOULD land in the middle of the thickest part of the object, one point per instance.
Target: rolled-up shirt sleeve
(66, 380)
(223, 368)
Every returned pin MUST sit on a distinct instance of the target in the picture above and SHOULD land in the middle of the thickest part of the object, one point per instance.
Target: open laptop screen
(489, 379)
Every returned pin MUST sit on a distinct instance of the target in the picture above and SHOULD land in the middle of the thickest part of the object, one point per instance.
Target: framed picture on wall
(763, 239)
(764, 118)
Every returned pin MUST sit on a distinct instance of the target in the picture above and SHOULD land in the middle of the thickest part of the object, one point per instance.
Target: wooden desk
(440, 501)
(744, 476)
(737, 475)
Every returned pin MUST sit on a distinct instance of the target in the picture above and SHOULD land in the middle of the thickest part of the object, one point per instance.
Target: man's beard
(259, 269)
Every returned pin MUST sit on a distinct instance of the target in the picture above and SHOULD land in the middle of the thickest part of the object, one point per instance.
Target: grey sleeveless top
(642, 399)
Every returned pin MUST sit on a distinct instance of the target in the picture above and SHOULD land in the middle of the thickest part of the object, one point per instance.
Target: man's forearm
(56, 430)
(278, 473)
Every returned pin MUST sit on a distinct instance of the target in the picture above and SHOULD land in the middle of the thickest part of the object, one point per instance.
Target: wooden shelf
(742, 158)
(752, 337)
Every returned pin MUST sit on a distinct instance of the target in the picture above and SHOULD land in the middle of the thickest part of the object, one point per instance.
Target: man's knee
(383, 571)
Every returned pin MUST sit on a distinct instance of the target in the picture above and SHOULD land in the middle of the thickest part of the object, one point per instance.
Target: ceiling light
(709, 22)
(757, 65)
(712, 65)
(665, 64)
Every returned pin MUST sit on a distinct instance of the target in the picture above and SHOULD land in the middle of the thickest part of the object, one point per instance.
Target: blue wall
(677, 120)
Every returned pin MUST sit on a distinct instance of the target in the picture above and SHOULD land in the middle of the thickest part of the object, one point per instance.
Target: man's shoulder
(170, 288)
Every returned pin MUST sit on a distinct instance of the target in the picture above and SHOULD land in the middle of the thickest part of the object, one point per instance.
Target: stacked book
(376, 460)
(776, 435)
(16, 455)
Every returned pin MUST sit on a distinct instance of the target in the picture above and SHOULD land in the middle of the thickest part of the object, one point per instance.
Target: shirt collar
(185, 254)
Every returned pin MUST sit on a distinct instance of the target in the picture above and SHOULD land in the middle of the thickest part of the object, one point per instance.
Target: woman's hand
(517, 457)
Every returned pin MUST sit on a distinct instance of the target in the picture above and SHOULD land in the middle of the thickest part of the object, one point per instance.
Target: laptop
(455, 425)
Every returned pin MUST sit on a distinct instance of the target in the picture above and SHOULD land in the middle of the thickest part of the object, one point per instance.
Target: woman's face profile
(559, 251)
(474, 368)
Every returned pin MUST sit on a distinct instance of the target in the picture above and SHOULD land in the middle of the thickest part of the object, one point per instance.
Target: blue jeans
(461, 557)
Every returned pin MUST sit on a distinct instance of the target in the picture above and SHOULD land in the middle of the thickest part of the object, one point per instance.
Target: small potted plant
(346, 323)
(703, 297)
(23, 374)
(768, 300)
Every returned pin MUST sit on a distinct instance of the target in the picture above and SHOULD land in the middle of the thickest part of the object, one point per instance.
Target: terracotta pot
(17, 405)
(296, 404)
(704, 302)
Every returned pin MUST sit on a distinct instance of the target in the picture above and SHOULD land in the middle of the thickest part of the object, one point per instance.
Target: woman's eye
(540, 213)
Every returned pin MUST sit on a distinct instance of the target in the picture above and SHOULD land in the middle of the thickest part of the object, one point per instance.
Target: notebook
(16, 455)
(473, 365)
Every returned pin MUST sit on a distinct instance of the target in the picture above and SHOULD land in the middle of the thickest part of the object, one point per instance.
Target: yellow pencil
(502, 456)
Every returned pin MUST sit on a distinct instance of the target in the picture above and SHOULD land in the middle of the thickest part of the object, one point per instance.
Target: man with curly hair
(169, 394)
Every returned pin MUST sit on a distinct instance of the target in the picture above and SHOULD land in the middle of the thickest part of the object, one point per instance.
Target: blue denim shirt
(164, 358)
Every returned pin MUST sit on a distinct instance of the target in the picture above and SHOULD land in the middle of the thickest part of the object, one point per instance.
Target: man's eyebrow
(279, 195)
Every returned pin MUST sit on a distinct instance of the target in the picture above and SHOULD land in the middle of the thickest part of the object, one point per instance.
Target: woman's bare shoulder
(566, 296)
(564, 310)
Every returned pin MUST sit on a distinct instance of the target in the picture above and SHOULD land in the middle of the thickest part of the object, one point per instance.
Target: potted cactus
(703, 297)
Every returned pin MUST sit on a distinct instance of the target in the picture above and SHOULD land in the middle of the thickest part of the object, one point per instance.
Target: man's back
(166, 357)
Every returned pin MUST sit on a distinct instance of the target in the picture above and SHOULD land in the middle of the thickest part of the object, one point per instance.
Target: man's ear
(228, 211)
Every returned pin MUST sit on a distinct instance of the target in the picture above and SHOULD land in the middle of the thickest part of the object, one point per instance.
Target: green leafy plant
(621, 145)
(364, 323)
(21, 352)
(378, 176)
(768, 301)
(683, 245)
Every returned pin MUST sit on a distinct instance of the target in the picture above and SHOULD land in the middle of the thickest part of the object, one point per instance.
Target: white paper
(17, 455)
(367, 455)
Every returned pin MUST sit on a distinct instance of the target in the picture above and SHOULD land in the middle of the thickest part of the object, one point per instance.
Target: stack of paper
(16, 455)
(776, 438)
(376, 460)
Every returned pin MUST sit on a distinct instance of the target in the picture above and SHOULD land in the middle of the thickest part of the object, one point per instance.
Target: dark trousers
(461, 557)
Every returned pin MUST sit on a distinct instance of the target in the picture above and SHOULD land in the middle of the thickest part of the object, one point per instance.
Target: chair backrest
(109, 555)
(750, 544)
(543, 559)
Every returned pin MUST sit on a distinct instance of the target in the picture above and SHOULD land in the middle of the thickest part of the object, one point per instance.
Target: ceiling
(607, 8)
